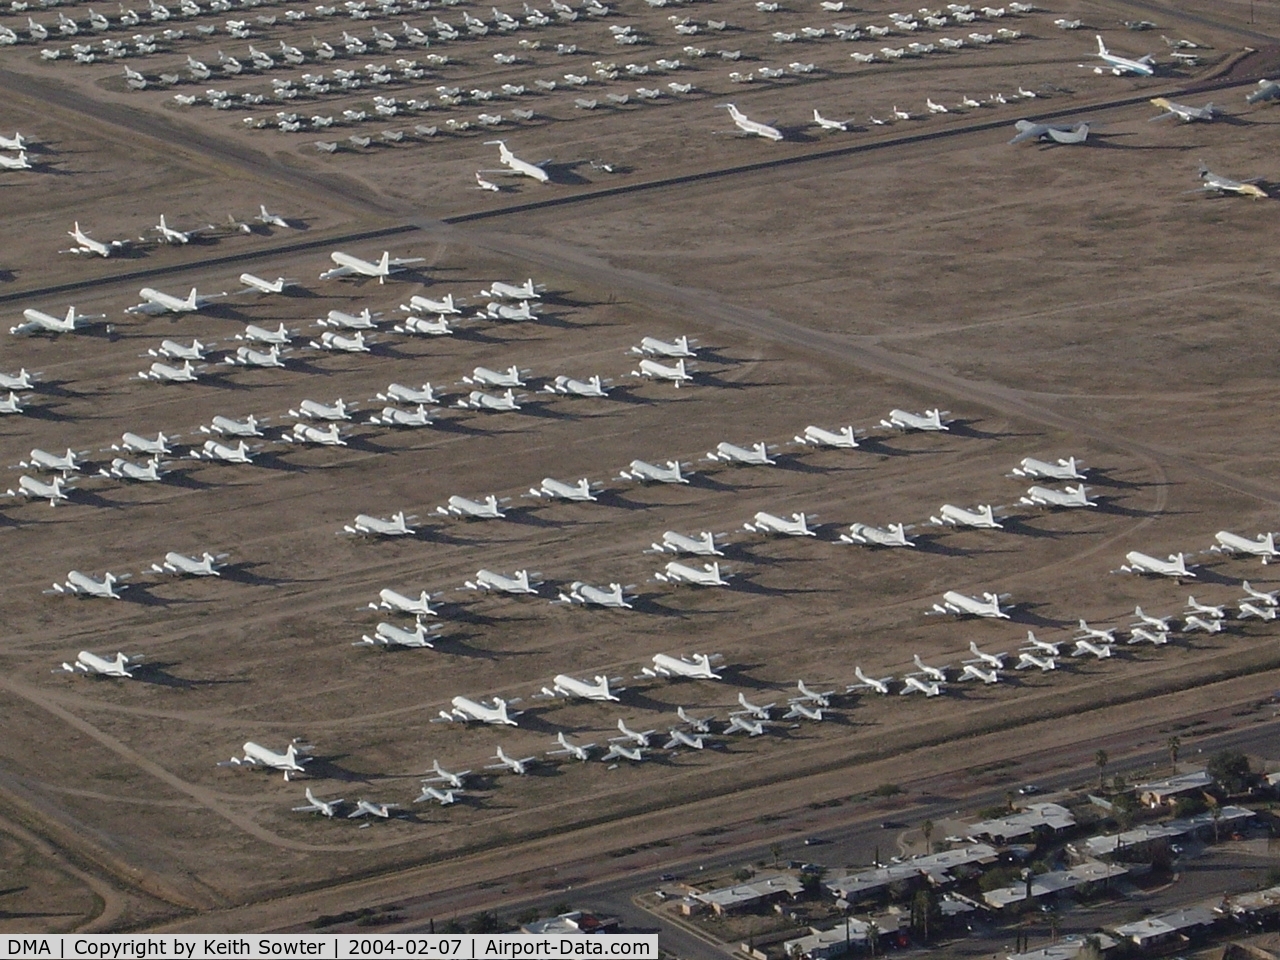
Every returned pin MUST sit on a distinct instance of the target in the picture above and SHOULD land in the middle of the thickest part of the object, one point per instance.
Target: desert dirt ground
(1056, 300)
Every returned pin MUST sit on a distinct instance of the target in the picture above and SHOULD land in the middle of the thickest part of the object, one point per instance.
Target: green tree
(1100, 760)
(1174, 743)
(1231, 769)
(486, 921)
(925, 913)
(926, 829)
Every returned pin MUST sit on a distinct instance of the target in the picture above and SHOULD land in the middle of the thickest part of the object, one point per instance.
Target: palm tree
(1101, 760)
(926, 828)
(1174, 744)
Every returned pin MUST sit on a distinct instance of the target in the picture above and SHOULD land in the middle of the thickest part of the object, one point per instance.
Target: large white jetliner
(227, 427)
(486, 509)
(278, 337)
(326, 808)
(438, 327)
(653, 347)
(42, 460)
(591, 387)
(389, 635)
(708, 576)
(37, 321)
(447, 306)
(466, 711)
(752, 127)
(763, 522)
(389, 599)
(213, 450)
(741, 723)
(588, 595)
(95, 665)
(31, 487)
(1175, 566)
(11, 404)
(645, 472)
(558, 489)
(322, 411)
(395, 417)
(703, 545)
(169, 235)
(20, 162)
(965, 606)
(206, 565)
(1264, 546)
(349, 266)
(571, 687)
(22, 380)
(697, 667)
(173, 350)
(155, 302)
(930, 420)
(818, 437)
(515, 165)
(1048, 497)
(86, 585)
(120, 469)
(488, 580)
(167, 373)
(291, 761)
(396, 526)
(399, 393)
(511, 291)
(484, 377)
(89, 245)
(1035, 469)
(479, 400)
(982, 518)
(1057, 132)
(1114, 63)
(755, 455)
(654, 370)
(894, 535)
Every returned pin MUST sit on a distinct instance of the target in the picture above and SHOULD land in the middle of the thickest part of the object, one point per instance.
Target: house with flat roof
(748, 896)
(935, 869)
(1158, 793)
(1181, 924)
(1056, 881)
(1043, 817)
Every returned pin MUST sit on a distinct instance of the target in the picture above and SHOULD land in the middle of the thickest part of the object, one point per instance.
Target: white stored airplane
(930, 420)
(1264, 546)
(740, 723)
(484, 377)
(11, 404)
(31, 487)
(327, 808)
(763, 522)
(120, 469)
(515, 165)
(1085, 646)
(697, 667)
(982, 518)
(1267, 90)
(617, 751)
(557, 489)
(97, 666)
(933, 673)
(654, 370)
(1175, 566)
(155, 302)
(1040, 469)
(653, 347)
(466, 711)
(352, 266)
(291, 761)
(761, 711)
(86, 585)
(213, 450)
(1067, 497)
(22, 380)
(1157, 623)
(1093, 633)
(331, 436)
(399, 393)
(1042, 646)
(518, 766)
(755, 455)
(206, 565)
(1246, 610)
(367, 808)
(395, 417)
(995, 660)
(37, 321)
(1217, 182)
(442, 307)
(678, 738)
(89, 245)
(227, 427)
(336, 342)
(271, 219)
(972, 671)
(265, 286)
(639, 737)
(42, 460)
(588, 595)
(479, 400)
(1192, 622)
(167, 373)
(1183, 112)
(1196, 607)
(1271, 598)
(816, 436)
(488, 580)
(579, 751)
(698, 725)
(1057, 132)
(822, 699)
(1143, 67)
(486, 509)
(455, 780)
(645, 472)
(752, 127)
(912, 683)
(1028, 659)
(800, 709)
(20, 162)
(565, 686)
(704, 545)
(278, 337)
(389, 599)
(431, 328)
(825, 124)
(708, 576)
(169, 235)
(396, 526)
(965, 606)
(389, 635)
(322, 411)
(511, 291)
(880, 686)
(1156, 638)
(173, 350)
(893, 536)
(502, 311)
(591, 387)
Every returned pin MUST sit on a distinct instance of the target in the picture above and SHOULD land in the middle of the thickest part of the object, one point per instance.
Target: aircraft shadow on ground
(455, 645)
(275, 461)
(243, 573)
(626, 393)
(931, 543)
(142, 595)
(362, 443)
(1108, 505)
(541, 408)
(91, 499)
(1024, 613)
(1205, 574)
(329, 768)
(566, 174)
(8, 276)
(966, 428)
(794, 463)
(157, 673)
(611, 498)
(1019, 526)
(877, 446)
(182, 478)
(48, 413)
(702, 379)
(647, 604)
(57, 388)
(1100, 477)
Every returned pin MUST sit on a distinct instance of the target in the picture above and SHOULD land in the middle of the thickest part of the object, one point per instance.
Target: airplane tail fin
(384, 265)
(1102, 47)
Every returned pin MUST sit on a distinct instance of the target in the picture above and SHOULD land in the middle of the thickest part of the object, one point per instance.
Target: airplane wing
(149, 308)
(1077, 134)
